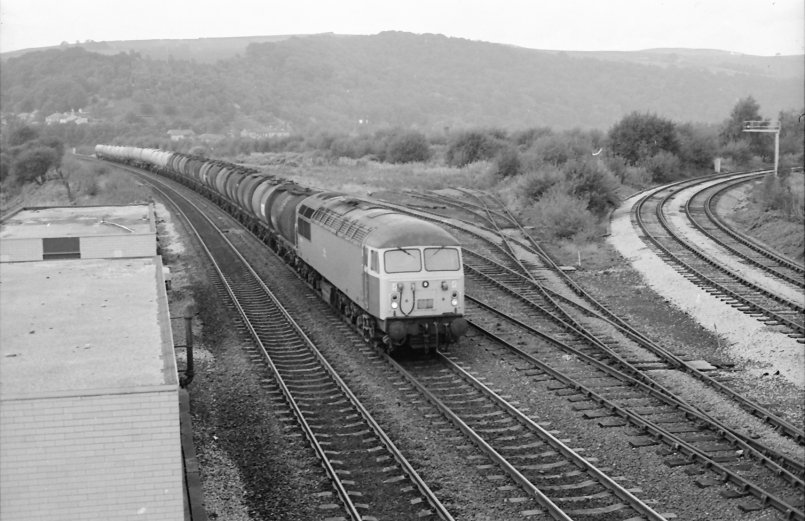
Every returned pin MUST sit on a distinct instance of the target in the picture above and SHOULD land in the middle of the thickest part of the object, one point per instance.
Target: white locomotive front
(396, 276)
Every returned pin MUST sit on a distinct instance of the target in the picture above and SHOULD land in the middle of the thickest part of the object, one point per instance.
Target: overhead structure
(767, 126)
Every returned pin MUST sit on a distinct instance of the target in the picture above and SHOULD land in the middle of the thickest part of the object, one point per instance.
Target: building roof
(78, 221)
(77, 327)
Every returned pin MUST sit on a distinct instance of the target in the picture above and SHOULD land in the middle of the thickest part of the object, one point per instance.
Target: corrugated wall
(113, 456)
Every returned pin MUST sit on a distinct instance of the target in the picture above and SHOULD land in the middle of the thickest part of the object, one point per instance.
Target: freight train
(399, 280)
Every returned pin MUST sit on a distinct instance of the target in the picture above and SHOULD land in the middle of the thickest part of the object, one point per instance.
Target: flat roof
(84, 326)
(78, 221)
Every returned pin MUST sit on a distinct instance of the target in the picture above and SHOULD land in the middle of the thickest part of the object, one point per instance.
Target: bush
(777, 196)
(664, 167)
(508, 162)
(637, 177)
(410, 147)
(558, 149)
(640, 136)
(33, 163)
(698, 145)
(739, 152)
(590, 179)
(560, 215)
(472, 146)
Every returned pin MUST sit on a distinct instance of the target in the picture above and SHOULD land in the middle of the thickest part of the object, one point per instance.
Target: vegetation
(562, 181)
(361, 84)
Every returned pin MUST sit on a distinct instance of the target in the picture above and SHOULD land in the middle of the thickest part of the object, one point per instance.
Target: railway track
(701, 212)
(369, 475)
(526, 269)
(581, 495)
(616, 398)
(552, 474)
(527, 289)
(293, 359)
(714, 277)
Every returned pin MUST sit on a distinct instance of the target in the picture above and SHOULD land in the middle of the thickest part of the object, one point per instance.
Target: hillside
(431, 82)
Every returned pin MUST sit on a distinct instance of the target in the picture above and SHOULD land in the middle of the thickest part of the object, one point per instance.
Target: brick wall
(113, 456)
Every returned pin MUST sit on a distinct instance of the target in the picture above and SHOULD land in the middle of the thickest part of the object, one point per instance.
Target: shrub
(409, 147)
(590, 179)
(535, 184)
(508, 162)
(640, 136)
(738, 151)
(558, 149)
(560, 215)
(777, 196)
(637, 177)
(664, 167)
(472, 146)
(33, 163)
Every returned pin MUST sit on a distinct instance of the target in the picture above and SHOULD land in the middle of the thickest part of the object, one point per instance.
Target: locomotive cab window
(402, 260)
(373, 263)
(303, 226)
(442, 259)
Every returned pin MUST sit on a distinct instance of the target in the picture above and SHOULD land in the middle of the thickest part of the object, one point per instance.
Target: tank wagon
(398, 279)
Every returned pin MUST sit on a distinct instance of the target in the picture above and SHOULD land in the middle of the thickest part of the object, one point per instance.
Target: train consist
(396, 278)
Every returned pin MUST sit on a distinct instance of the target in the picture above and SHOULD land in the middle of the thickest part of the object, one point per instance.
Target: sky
(760, 27)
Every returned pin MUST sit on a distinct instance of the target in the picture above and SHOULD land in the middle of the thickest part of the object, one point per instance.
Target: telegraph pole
(767, 126)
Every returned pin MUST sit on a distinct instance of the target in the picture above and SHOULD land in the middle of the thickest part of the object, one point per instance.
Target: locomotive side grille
(344, 226)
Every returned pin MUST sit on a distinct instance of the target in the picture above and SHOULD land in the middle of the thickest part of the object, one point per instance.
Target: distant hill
(349, 83)
(204, 50)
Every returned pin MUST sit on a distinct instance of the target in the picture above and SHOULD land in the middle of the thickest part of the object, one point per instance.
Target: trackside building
(89, 408)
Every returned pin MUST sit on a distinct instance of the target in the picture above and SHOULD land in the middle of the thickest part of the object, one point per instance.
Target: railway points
(679, 455)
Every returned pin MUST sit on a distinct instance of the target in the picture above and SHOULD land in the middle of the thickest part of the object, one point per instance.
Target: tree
(640, 136)
(697, 145)
(472, 146)
(591, 180)
(747, 109)
(22, 135)
(5, 166)
(409, 147)
(33, 163)
(508, 162)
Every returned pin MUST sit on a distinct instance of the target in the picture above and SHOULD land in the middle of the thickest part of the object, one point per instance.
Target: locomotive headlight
(444, 285)
(454, 301)
(395, 301)
(425, 283)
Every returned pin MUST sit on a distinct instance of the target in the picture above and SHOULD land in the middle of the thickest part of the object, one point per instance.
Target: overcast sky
(762, 27)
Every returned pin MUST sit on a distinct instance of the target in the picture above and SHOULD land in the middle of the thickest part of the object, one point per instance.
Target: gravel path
(764, 348)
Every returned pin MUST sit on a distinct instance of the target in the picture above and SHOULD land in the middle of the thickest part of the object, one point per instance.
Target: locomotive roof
(364, 222)
(398, 229)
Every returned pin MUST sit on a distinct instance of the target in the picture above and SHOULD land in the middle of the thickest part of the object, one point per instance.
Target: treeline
(564, 181)
(346, 84)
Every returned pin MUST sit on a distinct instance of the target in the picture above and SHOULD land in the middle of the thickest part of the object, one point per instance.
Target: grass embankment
(773, 212)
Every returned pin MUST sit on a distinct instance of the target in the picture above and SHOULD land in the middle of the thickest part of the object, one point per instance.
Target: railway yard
(576, 394)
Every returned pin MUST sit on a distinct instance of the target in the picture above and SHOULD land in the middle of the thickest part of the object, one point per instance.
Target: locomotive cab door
(371, 280)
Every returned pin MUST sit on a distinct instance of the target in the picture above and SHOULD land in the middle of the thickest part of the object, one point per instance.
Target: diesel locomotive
(396, 278)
